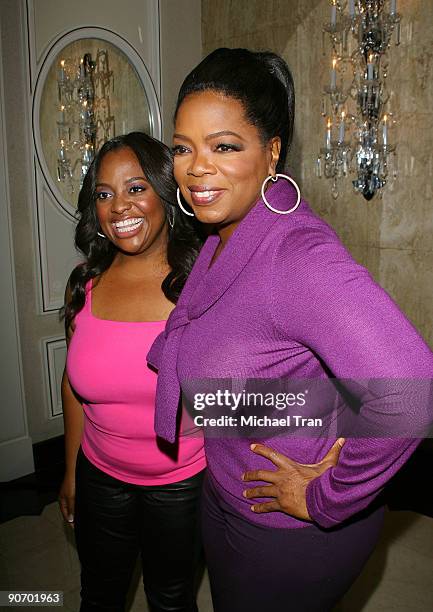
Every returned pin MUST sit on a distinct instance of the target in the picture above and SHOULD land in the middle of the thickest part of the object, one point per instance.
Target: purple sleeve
(354, 327)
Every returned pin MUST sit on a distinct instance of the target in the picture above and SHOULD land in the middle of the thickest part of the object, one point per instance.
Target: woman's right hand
(67, 499)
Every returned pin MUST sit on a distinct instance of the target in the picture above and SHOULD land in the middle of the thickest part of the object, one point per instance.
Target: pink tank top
(106, 366)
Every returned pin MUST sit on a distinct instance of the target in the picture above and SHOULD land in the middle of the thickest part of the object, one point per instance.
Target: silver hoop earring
(274, 180)
(101, 235)
(181, 206)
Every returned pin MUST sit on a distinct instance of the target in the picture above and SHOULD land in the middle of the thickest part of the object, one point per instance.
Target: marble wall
(391, 236)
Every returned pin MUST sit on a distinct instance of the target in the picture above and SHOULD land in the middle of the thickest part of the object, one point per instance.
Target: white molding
(16, 458)
(4, 182)
(155, 48)
(45, 208)
(16, 454)
(54, 358)
(28, 45)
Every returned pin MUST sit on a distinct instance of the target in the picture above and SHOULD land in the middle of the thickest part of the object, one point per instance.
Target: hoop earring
(274, 179)
(101, 235)
(181, 206)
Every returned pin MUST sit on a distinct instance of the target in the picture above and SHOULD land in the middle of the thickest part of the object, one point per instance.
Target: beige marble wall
(392, 236)
(180, 28)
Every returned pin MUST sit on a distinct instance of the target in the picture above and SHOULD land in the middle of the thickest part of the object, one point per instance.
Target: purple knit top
(286, 299)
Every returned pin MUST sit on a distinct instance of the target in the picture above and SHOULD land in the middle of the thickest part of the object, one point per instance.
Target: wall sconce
(85, 120)
(354, 103)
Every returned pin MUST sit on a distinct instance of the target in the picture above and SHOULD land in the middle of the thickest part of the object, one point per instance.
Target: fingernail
(243, 477)
(253, 508)
(253, 446)
(244, 493)
(70, 518)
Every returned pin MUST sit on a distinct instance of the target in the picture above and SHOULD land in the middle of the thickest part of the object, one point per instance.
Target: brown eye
(224, 147)
(179, 149)
(102, 195)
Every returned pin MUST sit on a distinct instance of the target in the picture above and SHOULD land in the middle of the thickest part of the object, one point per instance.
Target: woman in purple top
(288, 522)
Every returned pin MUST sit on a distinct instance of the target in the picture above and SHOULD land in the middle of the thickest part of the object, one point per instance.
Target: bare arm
(73, 424)
(73, 420)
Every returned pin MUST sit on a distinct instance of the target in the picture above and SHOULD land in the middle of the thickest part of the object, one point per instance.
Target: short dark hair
(261, 81)
(184, 238)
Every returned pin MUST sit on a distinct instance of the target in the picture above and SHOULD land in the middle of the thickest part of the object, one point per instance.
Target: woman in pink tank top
(126, 491)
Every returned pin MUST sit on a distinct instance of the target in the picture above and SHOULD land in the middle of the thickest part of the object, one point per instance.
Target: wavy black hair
(184, 238)
(261, 81)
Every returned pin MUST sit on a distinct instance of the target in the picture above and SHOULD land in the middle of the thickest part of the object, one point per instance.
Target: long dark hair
(261, 81)
(184, 238)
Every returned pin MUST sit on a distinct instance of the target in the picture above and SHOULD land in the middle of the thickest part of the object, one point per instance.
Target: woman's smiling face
(129, 211)
(220, 161)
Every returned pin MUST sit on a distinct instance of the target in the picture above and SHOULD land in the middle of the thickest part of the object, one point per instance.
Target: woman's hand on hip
(289, 482)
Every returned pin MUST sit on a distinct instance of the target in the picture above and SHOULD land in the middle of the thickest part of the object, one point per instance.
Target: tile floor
(38, 553)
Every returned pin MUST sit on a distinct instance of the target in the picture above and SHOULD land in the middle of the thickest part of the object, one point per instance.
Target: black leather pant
(114, 521)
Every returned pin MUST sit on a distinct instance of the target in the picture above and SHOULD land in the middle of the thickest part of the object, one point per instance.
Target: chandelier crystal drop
(355, 102)
(85, 119)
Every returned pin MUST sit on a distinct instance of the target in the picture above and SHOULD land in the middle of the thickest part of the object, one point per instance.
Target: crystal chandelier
(354, 104)
(85, 120)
